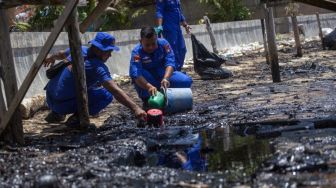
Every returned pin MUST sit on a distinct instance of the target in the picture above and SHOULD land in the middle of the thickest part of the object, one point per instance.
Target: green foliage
(227, 10)
(20, 27)
(120, 18)
(292, 9)
(44, 17)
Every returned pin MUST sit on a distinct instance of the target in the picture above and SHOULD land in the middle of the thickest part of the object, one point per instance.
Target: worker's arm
(159, 22)
(170, 64)
(184, 22)
(159, 17)
(186, 27)
(124, 99)
(144, 84)
(135, 73)
(181, 156)
(52, 58)
(160, 5)
(165, 83)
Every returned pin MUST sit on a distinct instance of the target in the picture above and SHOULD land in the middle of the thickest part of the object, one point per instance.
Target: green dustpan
(157, 101)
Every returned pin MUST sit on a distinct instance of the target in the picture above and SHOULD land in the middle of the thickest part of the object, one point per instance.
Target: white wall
(26, 46)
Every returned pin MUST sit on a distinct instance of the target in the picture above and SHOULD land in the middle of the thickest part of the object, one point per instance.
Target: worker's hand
(165, 83)
(50, 61)
(152, 91)
(188, 29)
(158, 30)
(181, 156)
(140, 114)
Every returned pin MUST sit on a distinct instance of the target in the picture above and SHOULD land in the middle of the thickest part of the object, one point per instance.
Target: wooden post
(272, 46)
(14, 132)
(78, 69)
(325, 4)
(14, 3)
(263, 29)
(211, 34)
(2, 100)
(98, 11)
(320, 30)
(296, 36)
(38, 63)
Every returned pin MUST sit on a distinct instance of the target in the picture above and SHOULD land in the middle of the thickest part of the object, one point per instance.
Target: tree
(227, 10)
(117, 17)
(122, 17)
(292, 9)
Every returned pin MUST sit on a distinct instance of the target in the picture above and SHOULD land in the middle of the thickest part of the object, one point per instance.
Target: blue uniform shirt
(63, 85)
(161, 58)
(84, 52)
(170, 11)
(195, 161)
(95, 69)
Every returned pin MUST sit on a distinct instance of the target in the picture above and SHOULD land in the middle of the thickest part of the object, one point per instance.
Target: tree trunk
(272, 46)
(320, 30)
(263, 29)
(296, 36)
(13, 134)
(78, 69)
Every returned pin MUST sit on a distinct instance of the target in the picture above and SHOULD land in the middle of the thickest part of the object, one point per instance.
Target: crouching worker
(60, 90)
(153, 66)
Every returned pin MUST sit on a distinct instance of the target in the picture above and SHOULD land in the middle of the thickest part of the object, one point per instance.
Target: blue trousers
(176, 41)
(98, 99)
(177, 80)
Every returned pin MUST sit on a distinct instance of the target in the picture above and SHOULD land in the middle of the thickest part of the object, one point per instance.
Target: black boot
(54, 117)
(73, 121)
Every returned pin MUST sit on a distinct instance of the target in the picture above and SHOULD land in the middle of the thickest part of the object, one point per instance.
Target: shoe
(73, 121)
(54, 117)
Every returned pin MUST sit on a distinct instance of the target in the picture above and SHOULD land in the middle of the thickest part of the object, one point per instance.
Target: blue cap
(104, 42)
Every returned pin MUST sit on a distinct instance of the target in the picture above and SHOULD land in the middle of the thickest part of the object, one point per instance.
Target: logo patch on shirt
(137, 58)
(146, 59)
(167, 48)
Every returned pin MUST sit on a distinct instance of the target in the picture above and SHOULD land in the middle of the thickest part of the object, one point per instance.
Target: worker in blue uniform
(153, 66)
(169, 18)
(60, 90)
(193, 158)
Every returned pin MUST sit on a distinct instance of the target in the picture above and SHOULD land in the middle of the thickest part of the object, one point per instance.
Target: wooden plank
(78, 69)
(272, 46)
(263, 29)
(296, 36)
(2, 101)
(38, 63)
(14, 3)
(325, 4)
(14, 132)
(2, 95)
(96, 13)
(320, 30)
(211, 34)
(275, 3)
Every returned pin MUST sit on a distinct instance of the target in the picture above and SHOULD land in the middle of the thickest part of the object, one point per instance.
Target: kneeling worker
(61, 94)
(153, 66)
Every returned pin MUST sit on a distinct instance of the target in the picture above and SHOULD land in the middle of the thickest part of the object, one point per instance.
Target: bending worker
(169, 18)
(153, 66)
(61, 94)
